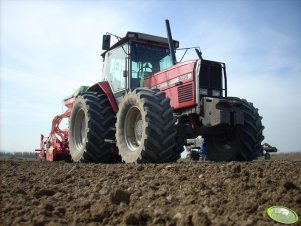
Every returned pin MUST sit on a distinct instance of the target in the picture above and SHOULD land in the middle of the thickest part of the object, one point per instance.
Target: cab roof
(146, 38)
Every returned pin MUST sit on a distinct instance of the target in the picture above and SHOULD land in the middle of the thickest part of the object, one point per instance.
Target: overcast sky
(50, 48)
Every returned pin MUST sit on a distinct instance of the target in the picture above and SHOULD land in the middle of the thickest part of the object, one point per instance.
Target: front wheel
(244, 141)
(145, 130)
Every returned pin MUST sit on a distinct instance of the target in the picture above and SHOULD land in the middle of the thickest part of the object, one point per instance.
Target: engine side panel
(178, 84)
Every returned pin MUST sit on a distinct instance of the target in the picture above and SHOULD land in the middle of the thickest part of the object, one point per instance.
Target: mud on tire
(92, 120)
(245, 142)
(145, 130)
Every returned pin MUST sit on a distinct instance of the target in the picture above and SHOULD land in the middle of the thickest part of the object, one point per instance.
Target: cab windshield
(147, 60)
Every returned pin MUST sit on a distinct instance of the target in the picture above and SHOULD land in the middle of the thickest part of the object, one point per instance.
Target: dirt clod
(289, 185)
(44, 192)
(83, 183)
(118, 196)
(200, 218)
(132, 219)
(178, 216)
(104, 190)
(236, 169)
(140, 168)
(99, 212)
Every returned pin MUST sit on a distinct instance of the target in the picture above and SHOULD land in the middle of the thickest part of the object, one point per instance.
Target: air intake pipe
(170, 43)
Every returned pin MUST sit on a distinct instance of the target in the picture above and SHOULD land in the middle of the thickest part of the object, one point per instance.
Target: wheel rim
(80, 129)
(133, 128)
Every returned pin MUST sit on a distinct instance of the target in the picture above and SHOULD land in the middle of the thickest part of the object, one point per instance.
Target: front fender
(104, 87)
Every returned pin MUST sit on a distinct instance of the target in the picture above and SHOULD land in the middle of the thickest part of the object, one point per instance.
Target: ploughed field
(184, 193)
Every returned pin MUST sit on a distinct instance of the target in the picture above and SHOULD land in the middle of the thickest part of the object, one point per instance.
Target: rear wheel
(145, 129)
(92, 121)
(244, 142)
(178, 149)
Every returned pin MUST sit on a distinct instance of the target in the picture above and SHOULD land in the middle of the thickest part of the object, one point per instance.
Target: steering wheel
(144, 73)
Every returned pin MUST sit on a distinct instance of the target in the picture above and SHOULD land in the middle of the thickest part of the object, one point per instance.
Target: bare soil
(185, 193)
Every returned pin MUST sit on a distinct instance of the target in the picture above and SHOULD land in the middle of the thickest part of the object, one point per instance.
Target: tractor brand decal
(174, 81)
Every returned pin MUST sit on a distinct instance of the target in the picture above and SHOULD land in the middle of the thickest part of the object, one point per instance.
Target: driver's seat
(147, 72)
(144, 75)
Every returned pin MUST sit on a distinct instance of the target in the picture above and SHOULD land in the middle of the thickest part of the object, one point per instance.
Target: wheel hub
(80, 129)
(133, 128)
(138, 129)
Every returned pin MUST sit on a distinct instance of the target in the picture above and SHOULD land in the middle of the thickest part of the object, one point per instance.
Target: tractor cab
(133, 58)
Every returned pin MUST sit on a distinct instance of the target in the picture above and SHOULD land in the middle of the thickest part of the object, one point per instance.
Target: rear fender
(104, 87)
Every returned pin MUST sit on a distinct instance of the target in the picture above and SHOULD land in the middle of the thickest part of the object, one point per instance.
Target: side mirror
(106, 40)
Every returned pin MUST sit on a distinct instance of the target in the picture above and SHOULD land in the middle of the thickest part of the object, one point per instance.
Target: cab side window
(115, 66)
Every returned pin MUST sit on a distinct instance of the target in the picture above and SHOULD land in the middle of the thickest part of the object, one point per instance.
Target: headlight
(203, 91)
(216, 93)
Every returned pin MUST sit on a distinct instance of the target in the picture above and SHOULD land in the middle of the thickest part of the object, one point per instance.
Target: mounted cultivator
(55, 147)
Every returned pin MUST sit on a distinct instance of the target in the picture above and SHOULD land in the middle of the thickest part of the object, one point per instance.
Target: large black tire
(178, 149)
(92, 120)
(145, 130)
(244, 144)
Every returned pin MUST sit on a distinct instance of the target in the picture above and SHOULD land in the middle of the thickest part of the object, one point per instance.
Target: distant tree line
(26, 155)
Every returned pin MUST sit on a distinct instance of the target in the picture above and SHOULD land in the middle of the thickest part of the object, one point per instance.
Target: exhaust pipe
(170, 43)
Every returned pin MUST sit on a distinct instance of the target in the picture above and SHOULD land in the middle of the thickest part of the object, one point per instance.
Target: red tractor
(148, 104)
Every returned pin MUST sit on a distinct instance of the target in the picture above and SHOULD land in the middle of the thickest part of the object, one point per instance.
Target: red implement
(56, 146)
